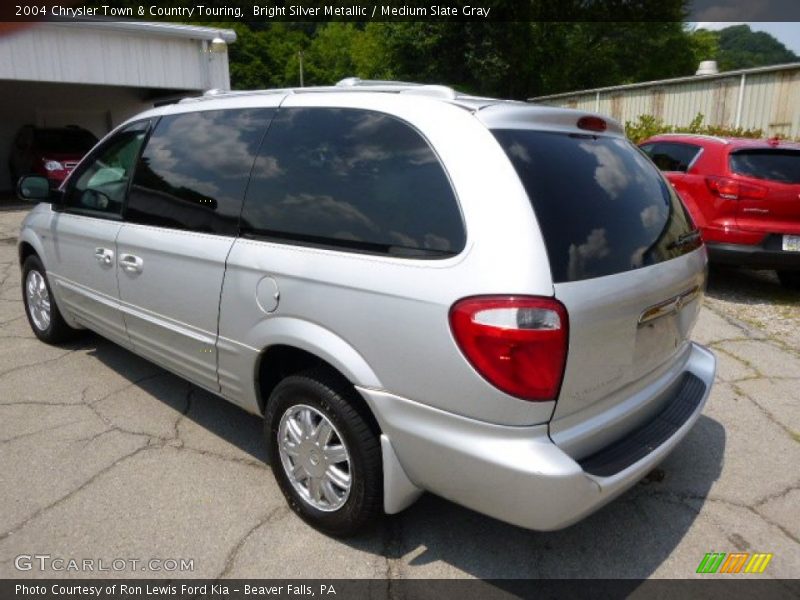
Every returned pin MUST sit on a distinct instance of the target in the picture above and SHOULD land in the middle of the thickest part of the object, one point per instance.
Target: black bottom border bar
(722, 588)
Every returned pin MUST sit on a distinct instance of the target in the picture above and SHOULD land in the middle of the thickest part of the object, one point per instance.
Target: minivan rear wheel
(789, 279)
(40, 306)
(324, 455)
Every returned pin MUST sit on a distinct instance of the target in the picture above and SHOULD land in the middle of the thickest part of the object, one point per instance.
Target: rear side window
(352, 179)
(773, 165)
(602, 207)
(671, 156)
(194, 170)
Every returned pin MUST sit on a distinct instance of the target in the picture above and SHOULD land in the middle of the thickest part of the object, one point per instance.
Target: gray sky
(787, 32)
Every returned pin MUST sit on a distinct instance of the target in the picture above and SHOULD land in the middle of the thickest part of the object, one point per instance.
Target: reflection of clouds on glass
(403, 240)
(653, 216)
(319, 209)
(367, 124)
(268, 168)
(580, 256)
(366, 153)
(610, 173)
(435, 242)
(519, 151)
(214, 141)
(637, 258)
(190, 146)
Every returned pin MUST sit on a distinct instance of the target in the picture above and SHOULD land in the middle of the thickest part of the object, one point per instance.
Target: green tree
(739, 47)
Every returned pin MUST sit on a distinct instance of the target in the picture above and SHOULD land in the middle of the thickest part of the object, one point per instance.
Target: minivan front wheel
(789, 279)
(40, 307)
(324, 455)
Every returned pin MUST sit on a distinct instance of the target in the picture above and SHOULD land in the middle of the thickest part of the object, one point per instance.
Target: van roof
(493, 112)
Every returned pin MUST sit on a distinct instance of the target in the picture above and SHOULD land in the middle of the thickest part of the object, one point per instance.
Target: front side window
(103, 182)
(672, 156)
(355, 180)
(194, 170)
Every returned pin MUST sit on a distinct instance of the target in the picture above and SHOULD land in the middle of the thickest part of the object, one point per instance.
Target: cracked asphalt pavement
(104, 455)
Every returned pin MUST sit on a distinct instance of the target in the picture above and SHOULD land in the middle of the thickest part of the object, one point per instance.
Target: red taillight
(517, 343)
(592, 123)
(731, 189)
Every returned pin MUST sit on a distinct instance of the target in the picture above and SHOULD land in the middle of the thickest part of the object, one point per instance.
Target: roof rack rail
(402, 87)
(215, 93)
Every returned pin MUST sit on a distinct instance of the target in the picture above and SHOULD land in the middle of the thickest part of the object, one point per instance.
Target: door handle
(131, 263)
(104, 256)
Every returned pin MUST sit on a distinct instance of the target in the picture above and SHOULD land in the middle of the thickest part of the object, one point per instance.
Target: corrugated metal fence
(766, 98)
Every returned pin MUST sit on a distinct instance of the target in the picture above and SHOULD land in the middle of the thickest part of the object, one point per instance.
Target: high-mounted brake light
(592, 123)
(731, 189)
(517, 343)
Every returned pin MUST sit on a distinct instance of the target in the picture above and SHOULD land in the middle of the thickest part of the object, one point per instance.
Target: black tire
(57, 330)
(789, 279)
(334, 399)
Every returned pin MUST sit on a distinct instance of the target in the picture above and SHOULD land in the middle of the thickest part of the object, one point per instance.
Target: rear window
(64, 141)
(774, 165)
(602, 206)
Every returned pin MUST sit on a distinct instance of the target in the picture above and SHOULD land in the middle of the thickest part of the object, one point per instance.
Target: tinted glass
(64, 141)
(353, 179)
(602, 207)
(774, 165)
(670, 156)
(102, 183)
(194, 170)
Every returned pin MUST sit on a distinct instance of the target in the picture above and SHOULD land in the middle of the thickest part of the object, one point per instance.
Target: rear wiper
(685, 239)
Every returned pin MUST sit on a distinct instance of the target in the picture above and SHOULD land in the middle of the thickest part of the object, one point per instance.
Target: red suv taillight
(517, 343)
(730, 189)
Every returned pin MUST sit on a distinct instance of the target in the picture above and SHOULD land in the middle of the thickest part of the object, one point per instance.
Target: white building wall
(72, 53)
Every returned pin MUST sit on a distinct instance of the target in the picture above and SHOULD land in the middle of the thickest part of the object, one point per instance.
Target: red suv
(743, 194)
(48, 151)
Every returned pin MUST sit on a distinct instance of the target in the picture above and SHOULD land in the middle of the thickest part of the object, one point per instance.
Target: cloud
(610, 173)
(593, 249)
(653, 216)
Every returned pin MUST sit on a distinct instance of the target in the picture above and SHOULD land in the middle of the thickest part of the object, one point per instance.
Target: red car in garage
(48, 151)
(743, 194)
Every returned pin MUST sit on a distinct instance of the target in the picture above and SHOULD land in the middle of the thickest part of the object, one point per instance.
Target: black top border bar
(264, 11)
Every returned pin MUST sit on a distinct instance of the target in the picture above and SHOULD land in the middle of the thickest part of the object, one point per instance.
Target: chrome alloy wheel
(314, 457)
(38, 300)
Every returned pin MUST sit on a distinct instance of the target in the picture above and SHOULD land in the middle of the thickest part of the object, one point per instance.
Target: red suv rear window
(780, 165)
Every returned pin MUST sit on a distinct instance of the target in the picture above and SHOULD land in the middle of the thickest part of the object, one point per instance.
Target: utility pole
(300, 58)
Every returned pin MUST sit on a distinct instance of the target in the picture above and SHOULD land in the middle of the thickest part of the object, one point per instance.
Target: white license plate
(791, 243)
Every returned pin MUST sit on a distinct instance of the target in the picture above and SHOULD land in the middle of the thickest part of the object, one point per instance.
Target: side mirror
(34, 188)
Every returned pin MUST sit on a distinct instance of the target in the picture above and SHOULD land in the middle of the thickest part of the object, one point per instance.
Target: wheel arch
(280, 360)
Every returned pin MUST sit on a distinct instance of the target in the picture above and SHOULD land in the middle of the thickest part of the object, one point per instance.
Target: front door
(83, 258)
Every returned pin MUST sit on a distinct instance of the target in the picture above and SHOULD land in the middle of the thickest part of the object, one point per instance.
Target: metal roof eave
(173, 30)
(658, 82)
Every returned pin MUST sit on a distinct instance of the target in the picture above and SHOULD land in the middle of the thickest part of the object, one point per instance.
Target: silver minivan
(418, 290)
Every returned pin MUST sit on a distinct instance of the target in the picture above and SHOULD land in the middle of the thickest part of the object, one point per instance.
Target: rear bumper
(767, 255)
(517, 474)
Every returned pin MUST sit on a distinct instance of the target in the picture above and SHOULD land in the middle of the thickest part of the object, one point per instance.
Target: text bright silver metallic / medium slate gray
(420, 291)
